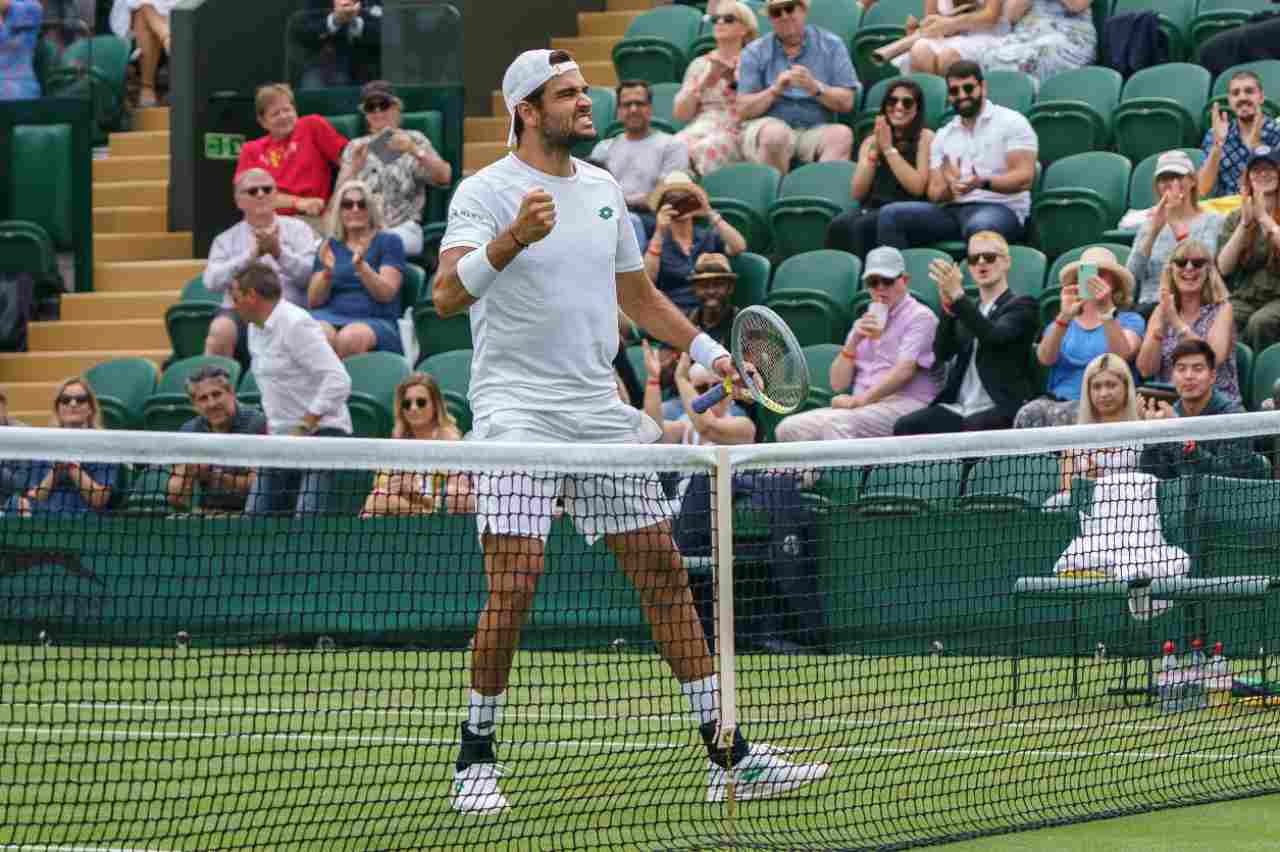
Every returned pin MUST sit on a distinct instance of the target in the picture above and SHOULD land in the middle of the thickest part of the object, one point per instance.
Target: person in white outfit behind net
(540, 250)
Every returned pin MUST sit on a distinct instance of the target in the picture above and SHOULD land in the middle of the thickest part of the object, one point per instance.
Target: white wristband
(706, 351)
(476, 272)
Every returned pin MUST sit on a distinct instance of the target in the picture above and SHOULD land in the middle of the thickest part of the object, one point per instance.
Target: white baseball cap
(884, 262)
(531, 69)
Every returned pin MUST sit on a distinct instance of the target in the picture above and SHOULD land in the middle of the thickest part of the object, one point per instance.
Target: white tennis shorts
(523, 503)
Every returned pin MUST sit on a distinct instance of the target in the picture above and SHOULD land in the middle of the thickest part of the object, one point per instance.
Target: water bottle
(1168, 664)
(1219, 680)
(1196, 680)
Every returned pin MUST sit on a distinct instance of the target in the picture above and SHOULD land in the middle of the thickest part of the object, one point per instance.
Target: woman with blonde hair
(1193, 305)
(1108, 396)
(70, 487)
(420, 415)
(355, 290)
(706, 97)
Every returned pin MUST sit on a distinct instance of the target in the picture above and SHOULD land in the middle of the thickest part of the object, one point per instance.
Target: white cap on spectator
(531, 69)
(1174, 163)
(884, 262)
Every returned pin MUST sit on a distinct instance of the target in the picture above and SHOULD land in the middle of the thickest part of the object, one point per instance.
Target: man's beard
(969, 107)
(565, 137)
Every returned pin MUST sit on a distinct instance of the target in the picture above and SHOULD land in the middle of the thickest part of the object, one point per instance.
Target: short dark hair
(634, 84)
(209, 372)
(1250, 74)
(963, 68)
(535, 97)
(1194, 346)
(261, 279)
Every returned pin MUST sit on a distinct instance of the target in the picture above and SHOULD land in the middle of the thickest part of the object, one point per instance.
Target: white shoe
(475, 790)
(762, 774)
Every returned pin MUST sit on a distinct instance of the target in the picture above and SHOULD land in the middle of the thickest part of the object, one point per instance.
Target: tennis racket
(769, 360)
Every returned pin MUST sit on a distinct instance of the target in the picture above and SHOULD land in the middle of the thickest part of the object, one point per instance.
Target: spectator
(1259, 38)
(982, 165)
(1108, 395)
(304, 390)
(19, 31)
(149, 23)
(707, 97)
(986, 345)
(791, 84)
(345, 45)
(355, 288)
(1193, 306)
(421, 415)
(1084, 329)
(1194, 366)
(1177, 216)
(5, 419)
(299, 153)
(713, 281)
(675, 243)
(68, 487)
(285, 244)
(1250, 253)
(947, 37)
(893, 165)
(1052, 37)
(397, 165)
(640, 155)
(1230, 141)
(67, 21)
(885, 370)
(222, 489)
(12, 474)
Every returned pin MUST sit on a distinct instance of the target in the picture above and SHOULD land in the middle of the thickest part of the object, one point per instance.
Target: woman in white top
(946, 37)
(1108, 396)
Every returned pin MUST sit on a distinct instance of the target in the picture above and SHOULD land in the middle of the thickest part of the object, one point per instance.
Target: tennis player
(540, 249)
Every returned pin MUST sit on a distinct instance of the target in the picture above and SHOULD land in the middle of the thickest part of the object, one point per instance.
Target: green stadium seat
(41, 189)
(1268, 71)
(411, 284)
(122, 386)
(247, 391)
(1013, 482)
(1175, 21)
(1218, 16)
(743, 193)
(1266, 372)
(44, 60)
(635, 355)
(188, 325)
(374, 376)
(1083, 197)
(664, 104)
(814, 293)
(147, 492)
(1072, 113)
(25, 247)
(1160, 109)
(195, 291)
(1244, 373)
(436, 335)
(808, 199)
(169, 406)
(1142, 191)
(657, 44)
(94, 68)
(1013, 89)
(753, 272)
(883, 23)
(912, 488)
(935, 103)
(350, 124)
(1026, 273)
(835, 16)
(452, 371)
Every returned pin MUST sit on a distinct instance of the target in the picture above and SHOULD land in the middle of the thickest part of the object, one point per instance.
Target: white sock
(482, 714)
(704, 698)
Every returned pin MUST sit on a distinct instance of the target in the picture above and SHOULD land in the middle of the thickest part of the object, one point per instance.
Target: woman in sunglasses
(355, 288)
(421, 415)
(893, 165)
(69, 487)
(1193, 305)
(706, 97)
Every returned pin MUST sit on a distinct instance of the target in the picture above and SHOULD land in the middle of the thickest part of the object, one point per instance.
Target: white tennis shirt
(545, 334)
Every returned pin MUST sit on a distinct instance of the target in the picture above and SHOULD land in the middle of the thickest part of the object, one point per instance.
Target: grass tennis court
(190, 749)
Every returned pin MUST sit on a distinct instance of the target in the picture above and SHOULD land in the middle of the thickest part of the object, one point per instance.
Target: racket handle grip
(710, 398)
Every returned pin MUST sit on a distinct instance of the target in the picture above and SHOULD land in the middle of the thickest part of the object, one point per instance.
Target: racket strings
(776, 368)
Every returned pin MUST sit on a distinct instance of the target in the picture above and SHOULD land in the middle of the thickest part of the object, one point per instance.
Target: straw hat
(1103, 259)
(676, 181)
(712, 265)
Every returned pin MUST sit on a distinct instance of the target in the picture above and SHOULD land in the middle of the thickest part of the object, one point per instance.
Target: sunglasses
(965, 89)
(723, 19)
(906, 101)
(354, 204)
(257, 191)
(876, 283)
(779, 11)
(414, 402)
(377, 106)
(984, 257)
(1193, 262)
(72, 399)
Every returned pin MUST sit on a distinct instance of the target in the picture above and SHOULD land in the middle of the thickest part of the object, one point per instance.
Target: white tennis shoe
(475, 790)
(762, 774)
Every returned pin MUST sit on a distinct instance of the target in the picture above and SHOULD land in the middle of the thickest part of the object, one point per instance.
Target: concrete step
(32, 397)
(595, 24)
(477, 155)
(499, 105)
(154, 246)
(121, 169)
(153, 118)
(97, 335)
(153, 143)
(600, 73)
(80, 307)
(56, 366)
(40, 417)
(144, 193)
(587, 49)
(144, 275)
(628, 5)
(485, 130)
(130, 220)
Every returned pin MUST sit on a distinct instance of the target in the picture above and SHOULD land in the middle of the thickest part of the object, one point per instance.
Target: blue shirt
(822, 52)
(19, 30)
(1235, 155)
(64, 497)
(348, 297)
(675, 267)
(1079, 347)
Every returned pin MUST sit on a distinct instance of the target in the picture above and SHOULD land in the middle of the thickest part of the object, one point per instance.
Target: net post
(722, 549)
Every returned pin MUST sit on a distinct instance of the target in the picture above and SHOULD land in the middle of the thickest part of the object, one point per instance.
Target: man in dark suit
(987, 344)
(342, 40)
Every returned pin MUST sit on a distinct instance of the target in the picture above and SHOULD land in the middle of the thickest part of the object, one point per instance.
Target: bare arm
(97, 496)
(756, 105)
(1234, 249)
(1120, 341)
(1020, 174)
(865, 172)
(383, 284)
(179, 487)
(939, 189)
(318, 288)
(732, 429)
(1148, 361)
(734, 242)
(844, 367)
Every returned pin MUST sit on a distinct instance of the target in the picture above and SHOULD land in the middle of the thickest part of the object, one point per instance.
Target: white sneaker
(475, 790)
(762, 774)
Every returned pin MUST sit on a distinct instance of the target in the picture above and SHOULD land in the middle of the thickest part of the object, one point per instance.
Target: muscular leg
(355, 339)
(512, 568)
(149, 45)
(776, 146)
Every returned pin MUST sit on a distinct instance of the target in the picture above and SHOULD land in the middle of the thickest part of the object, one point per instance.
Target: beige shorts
(805, 141)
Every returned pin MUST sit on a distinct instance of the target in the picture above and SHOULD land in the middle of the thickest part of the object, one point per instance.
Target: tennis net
(969, 646)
